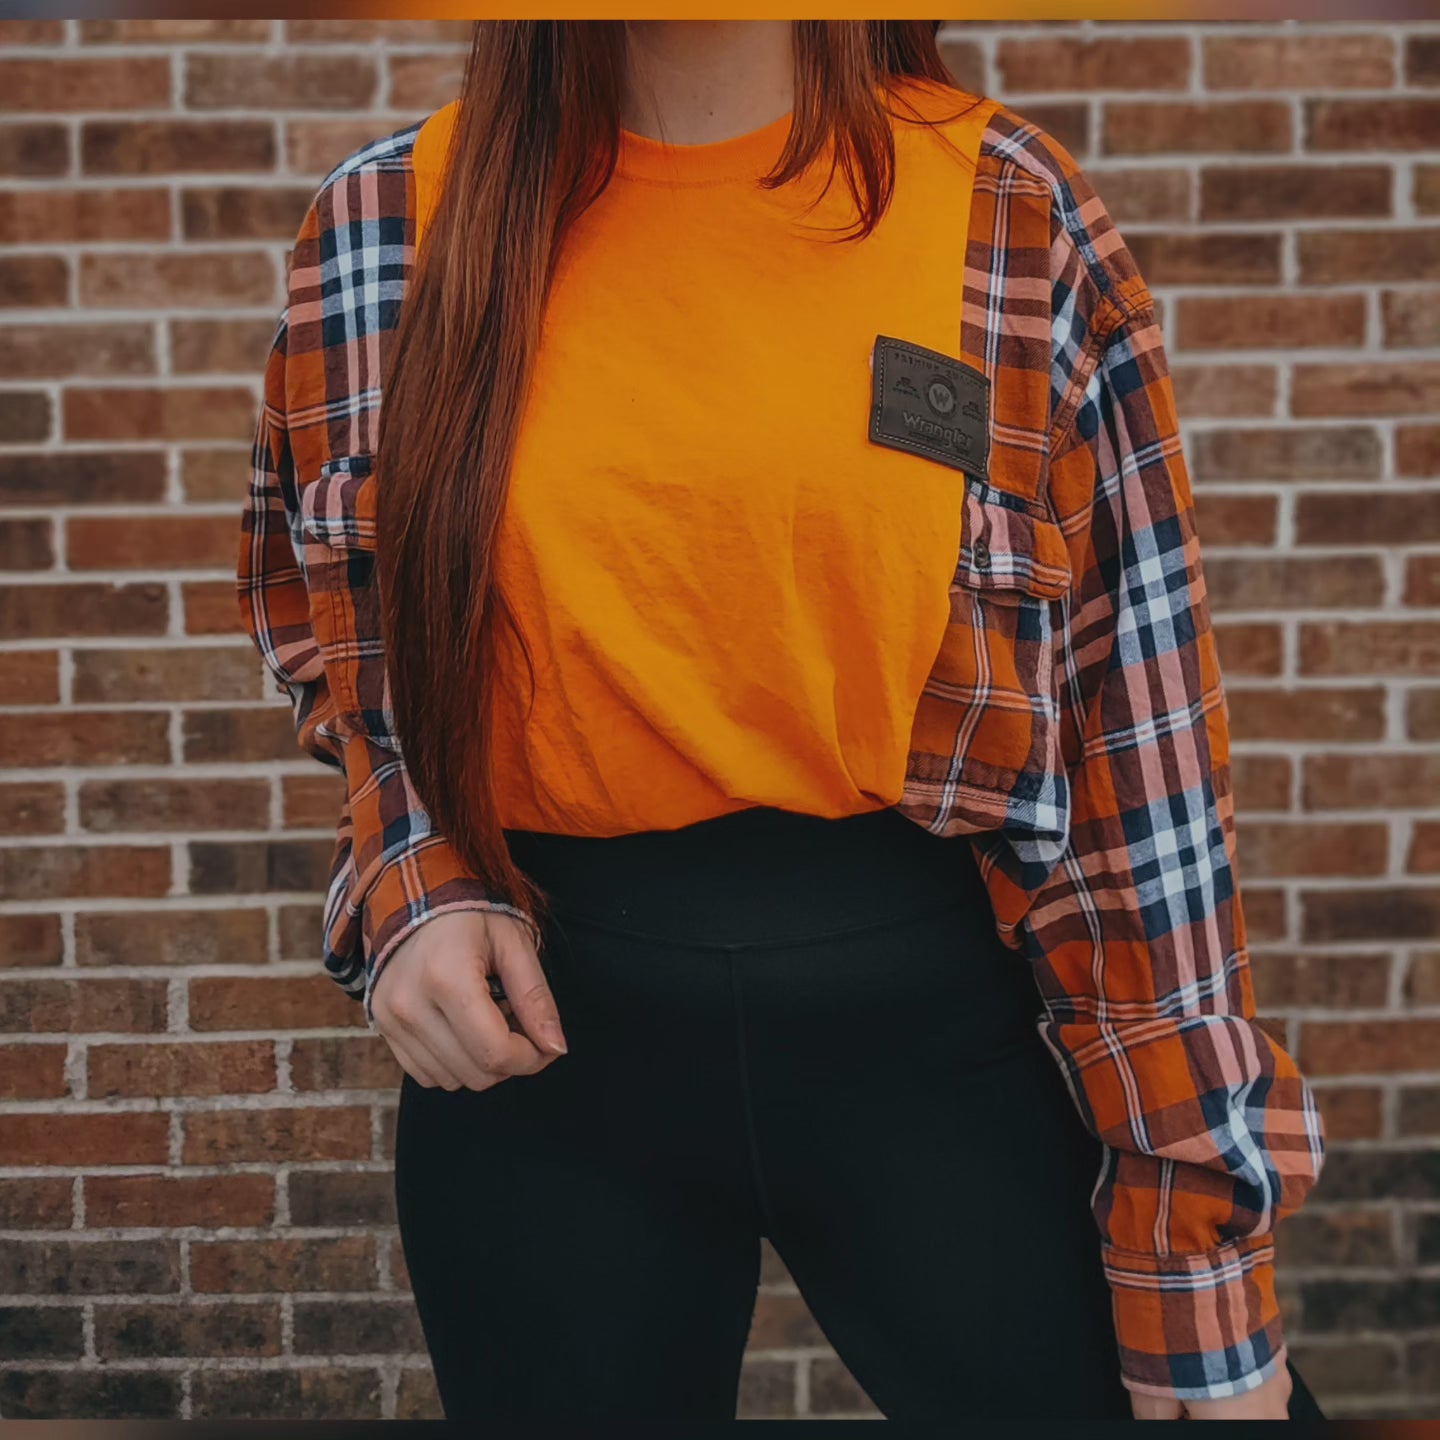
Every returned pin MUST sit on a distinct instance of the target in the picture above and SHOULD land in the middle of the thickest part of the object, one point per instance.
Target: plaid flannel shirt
(1073, 728)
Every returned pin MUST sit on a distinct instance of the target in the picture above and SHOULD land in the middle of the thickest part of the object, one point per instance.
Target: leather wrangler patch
(930, 404)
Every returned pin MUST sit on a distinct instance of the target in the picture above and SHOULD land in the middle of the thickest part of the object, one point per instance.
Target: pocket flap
(338, 507)
(1005, 546)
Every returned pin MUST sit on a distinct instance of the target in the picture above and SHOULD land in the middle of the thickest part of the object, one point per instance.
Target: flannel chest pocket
(337, 518)
(987, 726)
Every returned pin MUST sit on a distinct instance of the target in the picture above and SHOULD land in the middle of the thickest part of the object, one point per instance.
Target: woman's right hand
(432, 1002)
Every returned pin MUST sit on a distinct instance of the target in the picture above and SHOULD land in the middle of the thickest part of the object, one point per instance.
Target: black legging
(779, 1026)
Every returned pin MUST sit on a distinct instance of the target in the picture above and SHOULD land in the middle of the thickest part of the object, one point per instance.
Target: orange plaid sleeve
(1136, 931)
(306, 572)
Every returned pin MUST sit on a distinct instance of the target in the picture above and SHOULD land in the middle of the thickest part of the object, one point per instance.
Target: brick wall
(162, 842)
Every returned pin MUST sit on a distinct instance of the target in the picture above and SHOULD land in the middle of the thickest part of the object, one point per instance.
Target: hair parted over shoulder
(535, 141)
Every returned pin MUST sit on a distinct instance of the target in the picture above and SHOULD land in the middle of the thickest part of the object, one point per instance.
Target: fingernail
(554, 1038)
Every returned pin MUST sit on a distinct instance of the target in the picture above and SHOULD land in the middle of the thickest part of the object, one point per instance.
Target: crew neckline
(746, 156)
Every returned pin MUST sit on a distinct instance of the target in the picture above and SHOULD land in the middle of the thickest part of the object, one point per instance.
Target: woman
(776, 555)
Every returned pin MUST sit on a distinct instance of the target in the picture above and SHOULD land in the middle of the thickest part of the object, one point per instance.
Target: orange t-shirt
(732, 596)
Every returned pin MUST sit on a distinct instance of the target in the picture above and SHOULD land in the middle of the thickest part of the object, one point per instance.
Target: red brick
(171, 937)
(1372, 124)
(164, 147)
(174, 32)
(286, 81)
(37, 1203)
(240, 1267)
(966, 63)
(32, 808)
(1295, 192)
(1261, 782)
(361, 1062)
(1225, 391)
(32, 1072)
(32, 611)
(1269, 322)
(33, 32)
(312, 801)
(391, 32)
(1425, 190)
(153, 542)
(210, 346)
(1308, 980)
(190, 412)
(175, 1201)
(190, 672)
(1422, 581)
(1145, 194)
(314, 1393)
(82, 478)
(1349, 452)
(181, 1068)
(1411, 318)
(29, 677)
(1289, 583)
(271, 1002)
(300, 932)
(1313, 61)
(25, 416)
(26, 545)
(84, 1266)
(175, 279)
(1392, 518)
(425, 82)
(784, 1322)
(1307, 714)
(150, 1331)
(1371, 782)
(79, 1139)
(55, 872)
(1265, 914)
(221, 473)
(30, 940)
(1361, 257)
(1422, 980)
(1409, 387)
(90, 1006)
(1371, 914)
(1370, 647)
(1236, 519)
(238, 867)
(1360, 1047)
(80, 737)
(83, 216)
(1277, 849)
(1422, 714)
(1417, 451)
(1250, 648)
(33, 151)
(35, 281)
(253, 733)
(233, 1137)
(1350, 1112)
(209, 804)
(1424, 853)
(1180, 127)
(1178, 257)
(85, 84)
(35, 352)
(312, 147)
(211, 608)
(1067, 64)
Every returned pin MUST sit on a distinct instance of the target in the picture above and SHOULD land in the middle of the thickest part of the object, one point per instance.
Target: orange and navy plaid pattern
(1073, 728)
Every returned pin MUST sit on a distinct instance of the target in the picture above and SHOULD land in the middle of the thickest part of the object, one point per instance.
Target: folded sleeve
(1134, 926)
(306, 592)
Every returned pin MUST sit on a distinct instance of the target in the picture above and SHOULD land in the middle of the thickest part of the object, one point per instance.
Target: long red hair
(536, 137)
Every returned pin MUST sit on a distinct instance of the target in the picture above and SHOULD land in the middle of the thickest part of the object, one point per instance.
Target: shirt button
(982, 555)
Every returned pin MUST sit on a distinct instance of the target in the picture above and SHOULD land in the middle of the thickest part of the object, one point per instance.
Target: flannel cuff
(412, 888)
(1199, 1326)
